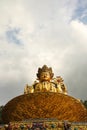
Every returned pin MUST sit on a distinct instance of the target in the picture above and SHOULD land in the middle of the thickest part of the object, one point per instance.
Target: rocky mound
(44, 105)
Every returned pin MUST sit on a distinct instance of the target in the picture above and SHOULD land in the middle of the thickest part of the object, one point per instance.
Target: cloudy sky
(38, 32)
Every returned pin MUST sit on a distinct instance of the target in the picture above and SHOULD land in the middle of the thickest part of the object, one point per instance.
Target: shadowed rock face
(44, 105)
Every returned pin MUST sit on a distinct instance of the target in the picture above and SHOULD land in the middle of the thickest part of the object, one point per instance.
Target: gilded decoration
(46, 82)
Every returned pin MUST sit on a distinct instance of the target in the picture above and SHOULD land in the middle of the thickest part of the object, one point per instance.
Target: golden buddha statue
(45, 76)
(46, 82)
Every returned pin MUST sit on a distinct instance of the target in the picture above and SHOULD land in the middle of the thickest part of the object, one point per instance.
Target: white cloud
(48, 36)
(79, 28)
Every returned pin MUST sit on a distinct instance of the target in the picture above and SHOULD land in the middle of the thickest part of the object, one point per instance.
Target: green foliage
(1, 108)
(84, 103)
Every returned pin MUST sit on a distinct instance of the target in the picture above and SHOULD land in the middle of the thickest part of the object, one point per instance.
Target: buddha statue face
(45, 76)
(45, 73)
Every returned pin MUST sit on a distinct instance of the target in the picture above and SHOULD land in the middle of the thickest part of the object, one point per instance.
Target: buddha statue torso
(46, 83)
(45, 86)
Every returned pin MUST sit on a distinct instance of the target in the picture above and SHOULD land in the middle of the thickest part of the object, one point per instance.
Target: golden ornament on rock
(47, 97)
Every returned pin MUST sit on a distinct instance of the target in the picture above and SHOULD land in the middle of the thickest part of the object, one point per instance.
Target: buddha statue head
(45, 74)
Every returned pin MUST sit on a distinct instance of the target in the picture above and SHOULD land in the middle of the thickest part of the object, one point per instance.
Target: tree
(1, 108)
(84, 103)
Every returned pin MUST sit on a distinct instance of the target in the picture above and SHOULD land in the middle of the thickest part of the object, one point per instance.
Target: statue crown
(45, 69)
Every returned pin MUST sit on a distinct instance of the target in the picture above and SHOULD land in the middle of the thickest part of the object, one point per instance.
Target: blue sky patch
(81, 13)
(12, 36)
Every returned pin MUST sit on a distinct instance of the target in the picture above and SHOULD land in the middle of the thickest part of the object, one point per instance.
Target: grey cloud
(48, 38)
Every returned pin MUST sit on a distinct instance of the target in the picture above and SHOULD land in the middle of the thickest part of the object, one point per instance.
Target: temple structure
(47, 98)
